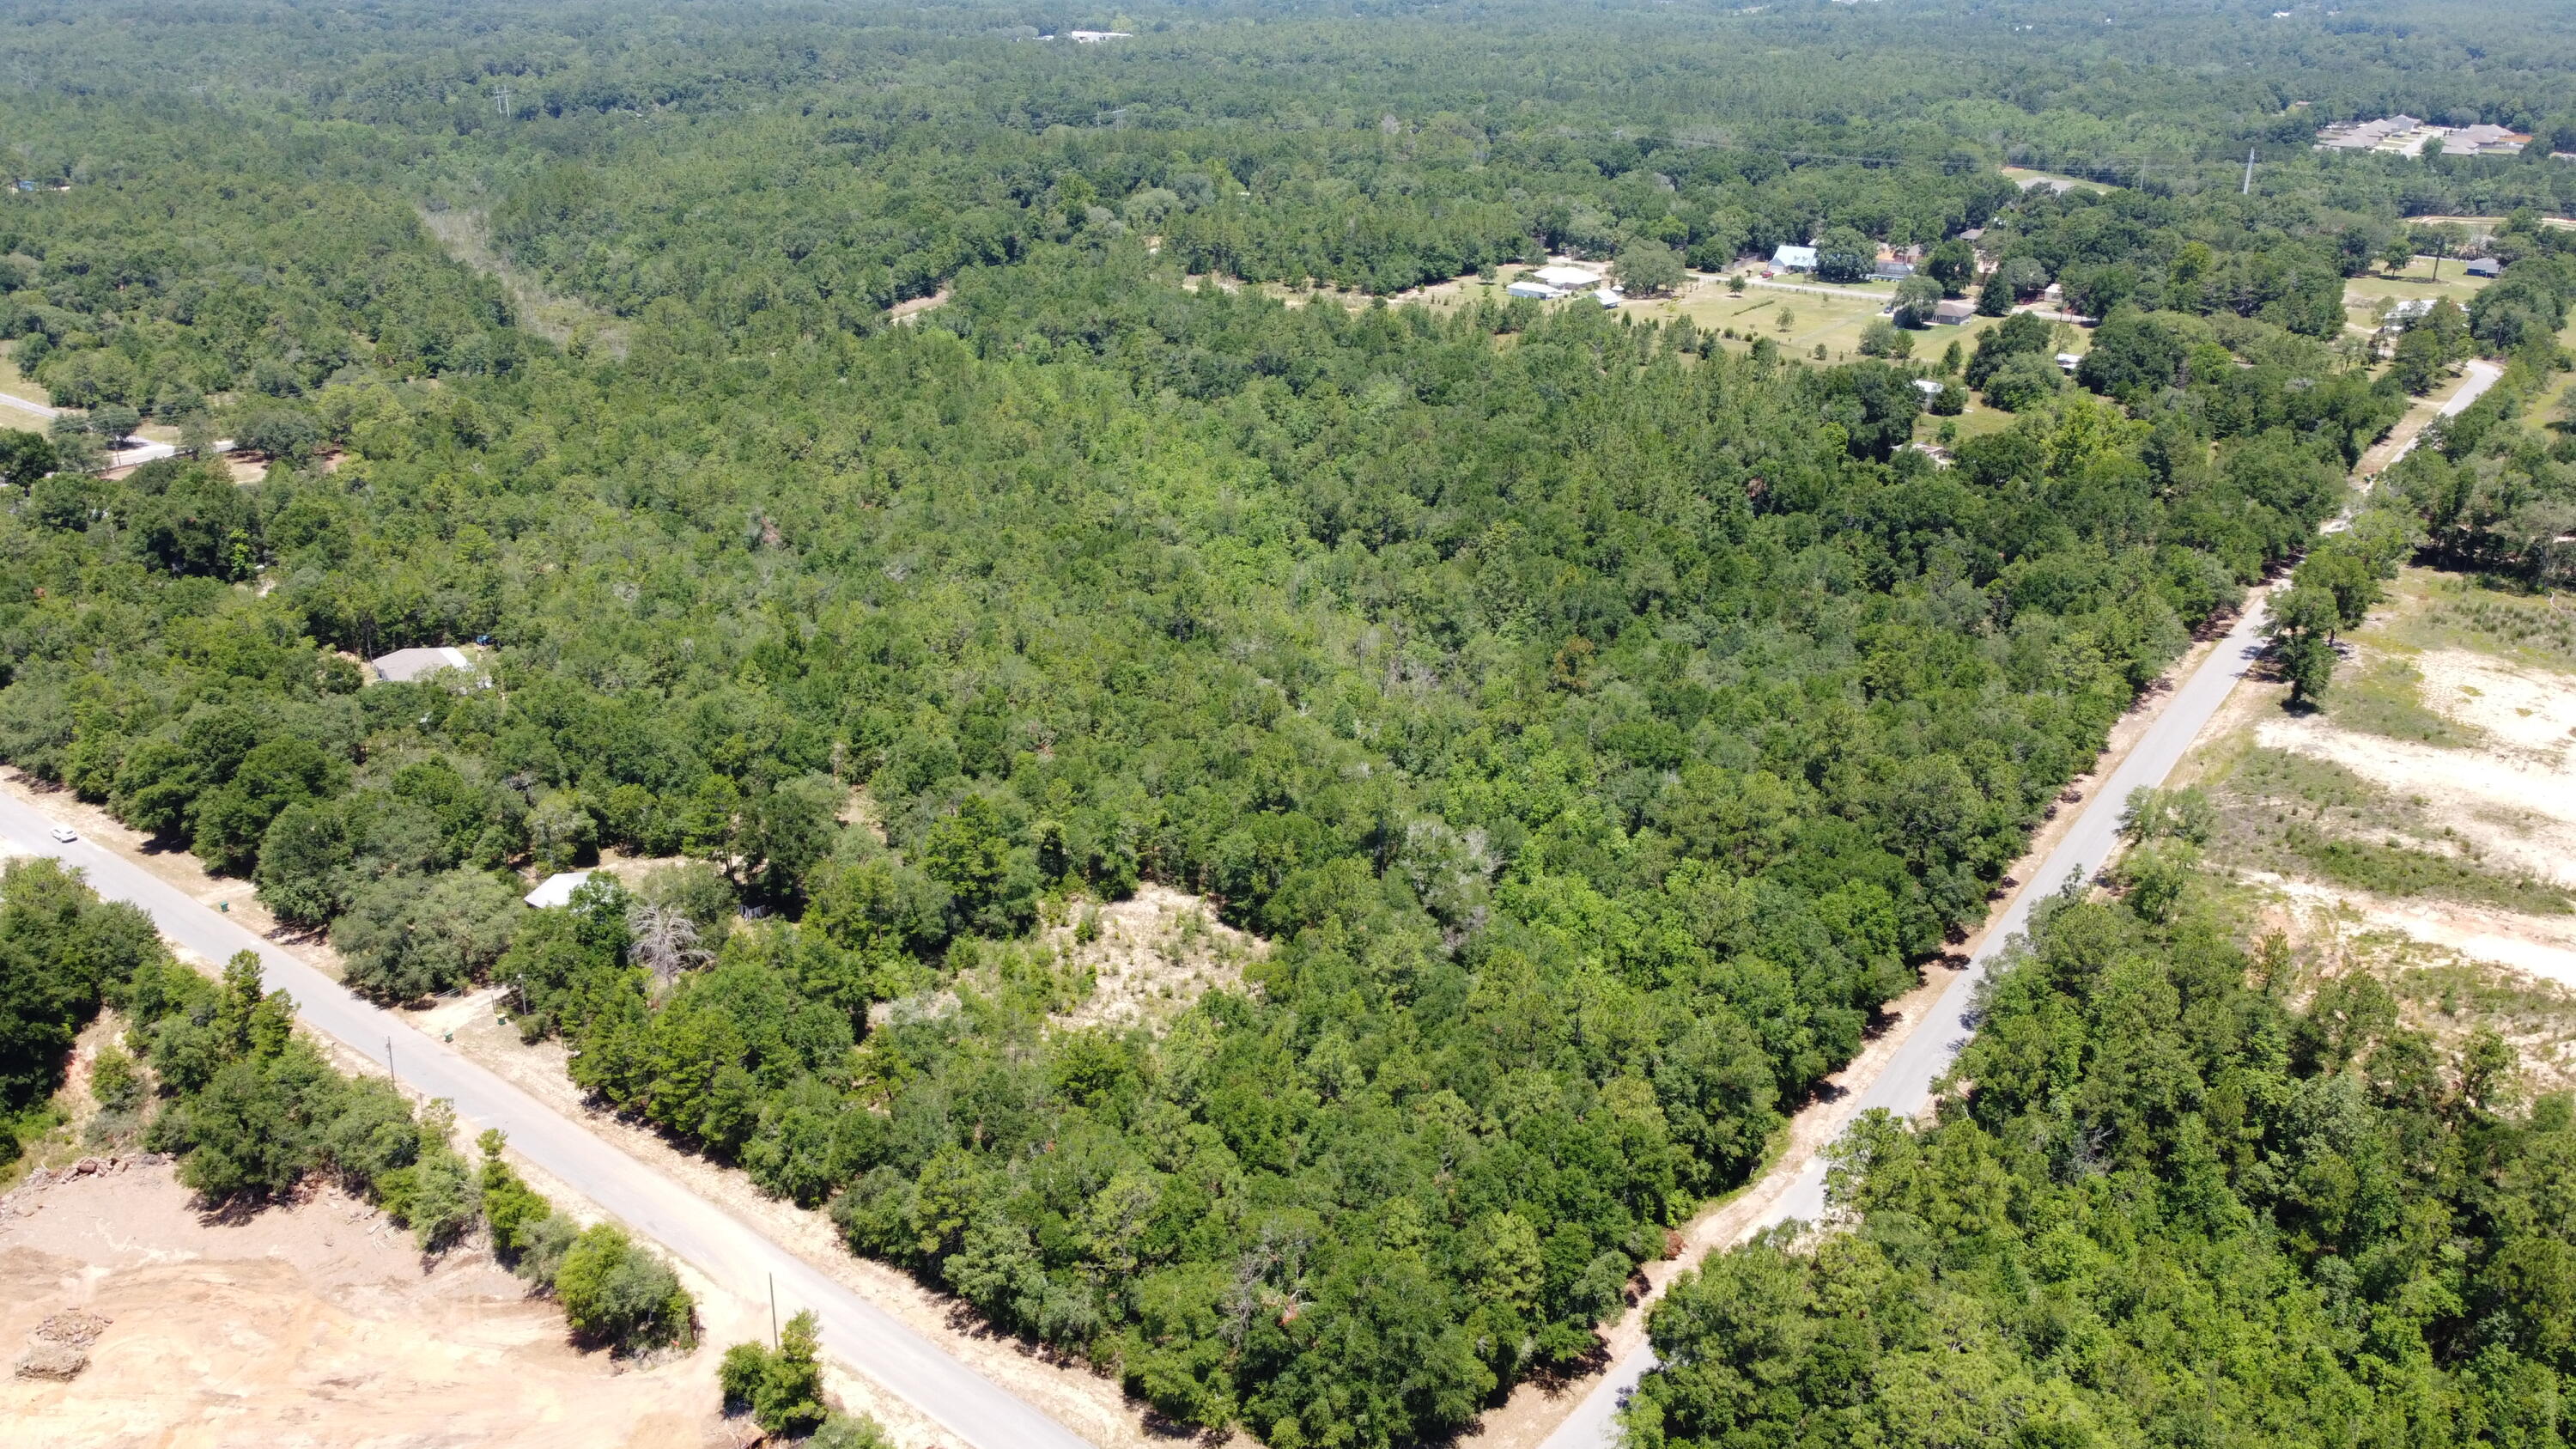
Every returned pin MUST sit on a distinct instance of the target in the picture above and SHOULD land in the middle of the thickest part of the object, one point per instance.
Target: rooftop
(405, 665)
(2404, 135)
(556, 890)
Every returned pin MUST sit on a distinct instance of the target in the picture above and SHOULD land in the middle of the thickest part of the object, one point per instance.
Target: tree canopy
(934, 481)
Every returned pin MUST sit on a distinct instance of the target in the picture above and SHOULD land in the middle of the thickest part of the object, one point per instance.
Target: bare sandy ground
(2513, 793)
(1150, 956)
(2543, 947)
(2506, 795)
(314, 1323)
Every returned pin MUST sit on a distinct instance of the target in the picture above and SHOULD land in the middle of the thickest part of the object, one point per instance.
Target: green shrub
(619, 1295)
(782, 1387)
(850, 1431)
(114, 1081)
(543, 1246)
(239, 1139)
(436, 1196)
(513, 1209)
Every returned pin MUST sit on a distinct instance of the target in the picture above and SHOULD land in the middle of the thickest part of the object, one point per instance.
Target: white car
(66, 834)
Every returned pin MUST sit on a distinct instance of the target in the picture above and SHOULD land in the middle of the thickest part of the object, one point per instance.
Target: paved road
(141, 452)
(723, 1247)
(1904, 1086)
(1848, 294)
(12, 400)
(2482, 375)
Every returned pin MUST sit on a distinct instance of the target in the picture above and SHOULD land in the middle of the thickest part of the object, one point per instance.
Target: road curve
(2482, 375)
(862, 1335)
(1904, 1086)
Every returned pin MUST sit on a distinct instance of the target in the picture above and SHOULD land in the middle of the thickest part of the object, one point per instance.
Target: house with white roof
(557, 889)
(1794, 259)
(403, 666)
(1566, 278)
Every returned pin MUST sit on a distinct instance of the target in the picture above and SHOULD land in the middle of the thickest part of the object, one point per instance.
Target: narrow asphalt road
(1904, 1086)
(2482, 375)
(141, 452)
(866, 1337)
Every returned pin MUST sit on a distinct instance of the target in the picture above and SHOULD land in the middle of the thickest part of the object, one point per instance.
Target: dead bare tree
(665, 941)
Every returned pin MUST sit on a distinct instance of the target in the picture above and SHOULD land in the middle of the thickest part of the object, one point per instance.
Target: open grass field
(17, 384)
(2363, 296)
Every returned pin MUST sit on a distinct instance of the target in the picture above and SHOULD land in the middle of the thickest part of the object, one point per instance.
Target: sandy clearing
(1154, 954)
(314, 1323)
(906, 311)
(2531, 710)
(2541, 946)
(2522, 816)
(2509, 795)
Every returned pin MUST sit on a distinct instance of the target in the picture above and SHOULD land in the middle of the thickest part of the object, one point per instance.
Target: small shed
(1535, 291)
(1929, 387)
(1794, 259)
(1608, 297)
(1891, 271)
(2485, 267)
(2068, 361)
(405, 665)
(557, 889)
(1953, 313)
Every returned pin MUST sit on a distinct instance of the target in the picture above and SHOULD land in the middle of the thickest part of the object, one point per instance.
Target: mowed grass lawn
(1834, 320)
(2364, 297)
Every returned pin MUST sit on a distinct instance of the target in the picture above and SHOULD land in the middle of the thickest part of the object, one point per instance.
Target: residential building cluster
(2407, 136)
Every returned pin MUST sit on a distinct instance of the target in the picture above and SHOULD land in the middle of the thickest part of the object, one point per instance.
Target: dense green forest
(1600, 723)
(2165, 1206)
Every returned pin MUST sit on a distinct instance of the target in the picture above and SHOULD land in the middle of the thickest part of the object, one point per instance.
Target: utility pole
(504, 107)
(2249, 172)
(773, 1311)
(389, 1063)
